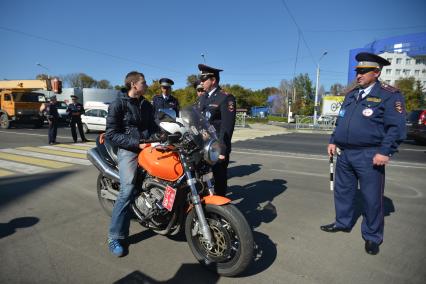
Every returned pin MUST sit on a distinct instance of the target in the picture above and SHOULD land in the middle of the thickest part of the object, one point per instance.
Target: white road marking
(33, 134)
(47, 156)
(64, 149)
(22, 168)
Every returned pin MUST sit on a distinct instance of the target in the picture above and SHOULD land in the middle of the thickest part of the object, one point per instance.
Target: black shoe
(75, 141)
(85, 140)
(332, 228)
(371, 247)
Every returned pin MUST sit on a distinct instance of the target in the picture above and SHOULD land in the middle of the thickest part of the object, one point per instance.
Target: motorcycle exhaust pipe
(98, 162)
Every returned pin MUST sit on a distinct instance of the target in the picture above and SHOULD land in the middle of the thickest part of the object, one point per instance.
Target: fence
(323, 122)
(240, 119)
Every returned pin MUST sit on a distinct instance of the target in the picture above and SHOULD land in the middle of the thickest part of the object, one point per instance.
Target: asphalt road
(52, 229)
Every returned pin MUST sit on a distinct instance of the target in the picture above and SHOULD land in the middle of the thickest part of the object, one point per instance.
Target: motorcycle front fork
(196, 201)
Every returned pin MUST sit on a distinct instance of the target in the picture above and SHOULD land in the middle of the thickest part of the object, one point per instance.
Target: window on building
(398, 72)
(424, 71)
(408, 61)
(398, 60)
(417, 72)
(388, 71)
(406, 72)
(418, 61)
(388, 82)
(389, 59)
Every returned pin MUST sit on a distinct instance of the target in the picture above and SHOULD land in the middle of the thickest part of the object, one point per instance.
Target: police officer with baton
(369, 129)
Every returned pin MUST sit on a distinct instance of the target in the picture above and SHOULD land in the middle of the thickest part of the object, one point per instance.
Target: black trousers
(220, 175)
(53, 130)
(73, 124)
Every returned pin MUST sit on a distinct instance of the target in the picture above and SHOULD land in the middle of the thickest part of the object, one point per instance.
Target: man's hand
(221, 157)
(143, 145)
(380, 160)
(331, 149)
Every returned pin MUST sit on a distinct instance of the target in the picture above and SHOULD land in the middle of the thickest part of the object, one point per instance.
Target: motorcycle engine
(149, 202)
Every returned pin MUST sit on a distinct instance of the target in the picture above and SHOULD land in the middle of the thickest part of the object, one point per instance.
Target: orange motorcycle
(175, 191)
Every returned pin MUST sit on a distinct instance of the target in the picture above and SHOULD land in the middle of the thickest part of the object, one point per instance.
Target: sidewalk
(257, 130)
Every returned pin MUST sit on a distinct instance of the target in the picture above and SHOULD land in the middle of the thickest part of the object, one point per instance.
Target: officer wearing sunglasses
(369, 129)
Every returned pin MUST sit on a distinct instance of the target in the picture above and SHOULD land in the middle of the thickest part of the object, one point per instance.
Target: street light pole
(202, 55)
(316, 89)
(44, 67)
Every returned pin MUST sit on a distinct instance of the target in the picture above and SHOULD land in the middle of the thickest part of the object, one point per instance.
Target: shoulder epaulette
(389, 88)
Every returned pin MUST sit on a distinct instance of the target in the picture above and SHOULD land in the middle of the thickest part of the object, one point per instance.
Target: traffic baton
(331, 173)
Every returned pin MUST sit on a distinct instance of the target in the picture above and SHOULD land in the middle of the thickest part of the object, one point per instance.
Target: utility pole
(316, 89)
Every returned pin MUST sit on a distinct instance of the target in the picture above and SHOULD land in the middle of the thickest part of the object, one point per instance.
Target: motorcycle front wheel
(232, 250)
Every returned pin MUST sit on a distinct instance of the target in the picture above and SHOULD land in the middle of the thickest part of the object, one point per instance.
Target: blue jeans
(120, 219)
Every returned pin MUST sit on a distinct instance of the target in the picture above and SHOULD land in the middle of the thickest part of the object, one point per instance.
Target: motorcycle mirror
(166, 115)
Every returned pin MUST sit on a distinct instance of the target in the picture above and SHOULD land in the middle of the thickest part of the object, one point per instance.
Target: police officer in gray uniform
(165, 100)
(369, 129)
(220, 109)
(74, 111)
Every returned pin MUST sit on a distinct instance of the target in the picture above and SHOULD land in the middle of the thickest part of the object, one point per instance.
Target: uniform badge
(398, 107)
(342, 113)
(367, 112)
(208, 114)
(374, 100)
(231, 106)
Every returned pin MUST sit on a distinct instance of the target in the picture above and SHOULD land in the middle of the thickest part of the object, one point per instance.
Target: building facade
(407, 54)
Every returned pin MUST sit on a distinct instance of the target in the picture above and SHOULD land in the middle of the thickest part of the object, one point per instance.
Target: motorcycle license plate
(169, 198)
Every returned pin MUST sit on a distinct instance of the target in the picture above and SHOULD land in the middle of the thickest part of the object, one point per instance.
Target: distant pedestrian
(50, 111)
(165, 100)
(220, 109)
(369, 128)
(74, 111)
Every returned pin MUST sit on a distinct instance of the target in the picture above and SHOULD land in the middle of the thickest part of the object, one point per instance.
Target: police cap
(207, 71)
(370, 60)
(166, 82)
(198, 84)
(74, 97)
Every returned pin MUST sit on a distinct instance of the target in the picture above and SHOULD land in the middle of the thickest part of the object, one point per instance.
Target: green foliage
(104, 84)
(412, 91)
(304, 95)
(277, 118)
(42, 76)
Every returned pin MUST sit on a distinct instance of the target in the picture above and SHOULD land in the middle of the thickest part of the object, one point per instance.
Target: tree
(336, 89)
(304, 95)
(104, 84)
(190, 80)
(42, 77)
(412, 91)
(79, 80)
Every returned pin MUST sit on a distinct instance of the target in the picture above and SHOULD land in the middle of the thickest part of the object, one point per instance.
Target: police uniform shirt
(166, 102)
(220, 109)
(75, 110)
(375, 120)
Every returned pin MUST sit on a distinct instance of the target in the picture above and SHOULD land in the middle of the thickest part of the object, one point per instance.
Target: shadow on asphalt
(187, 273)
(13, 188)
(7, 229)
(243, 170)
(388, 206)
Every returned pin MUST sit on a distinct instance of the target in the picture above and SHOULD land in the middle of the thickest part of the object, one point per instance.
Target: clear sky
(255, 42)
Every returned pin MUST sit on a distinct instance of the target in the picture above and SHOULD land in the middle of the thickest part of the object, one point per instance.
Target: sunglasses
(364, 70)
(205, 78)
(200, 90)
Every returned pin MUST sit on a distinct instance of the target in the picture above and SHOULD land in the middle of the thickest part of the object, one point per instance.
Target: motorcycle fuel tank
(164, 165)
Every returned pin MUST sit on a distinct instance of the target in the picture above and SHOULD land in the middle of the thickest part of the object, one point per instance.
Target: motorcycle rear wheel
(233, 246)
(106, 204)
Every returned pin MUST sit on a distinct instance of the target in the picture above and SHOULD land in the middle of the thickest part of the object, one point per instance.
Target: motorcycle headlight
(212, 152)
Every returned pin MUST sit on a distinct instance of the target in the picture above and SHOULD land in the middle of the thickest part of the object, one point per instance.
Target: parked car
(63, 116)
(416, 126)
(94, 119)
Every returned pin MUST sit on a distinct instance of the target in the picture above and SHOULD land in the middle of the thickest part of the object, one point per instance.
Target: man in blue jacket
(130, 119)
(369, 129)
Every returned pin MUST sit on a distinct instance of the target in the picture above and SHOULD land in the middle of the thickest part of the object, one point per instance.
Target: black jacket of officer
(219, 108)
(165, 100)
(75, 110)
(129, 120)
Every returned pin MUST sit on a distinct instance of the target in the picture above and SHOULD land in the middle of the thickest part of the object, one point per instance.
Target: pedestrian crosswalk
(33, 160)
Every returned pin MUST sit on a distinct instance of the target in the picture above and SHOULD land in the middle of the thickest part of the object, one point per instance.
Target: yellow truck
(20, 102)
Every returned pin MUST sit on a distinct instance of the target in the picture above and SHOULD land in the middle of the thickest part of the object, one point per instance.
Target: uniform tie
(359, 98)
